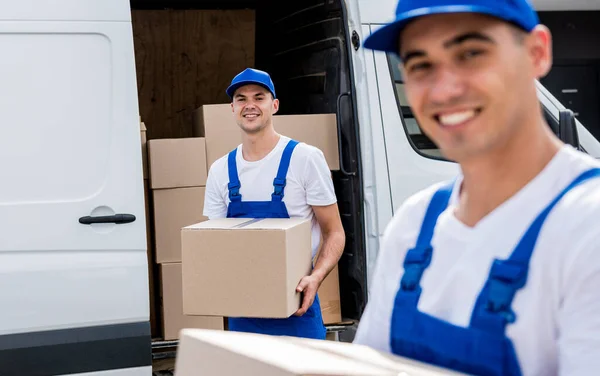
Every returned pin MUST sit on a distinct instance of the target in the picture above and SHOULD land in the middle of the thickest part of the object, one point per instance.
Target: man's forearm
(331, 251)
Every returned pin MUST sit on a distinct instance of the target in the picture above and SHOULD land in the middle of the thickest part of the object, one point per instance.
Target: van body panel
(65, 10)
(377, 193)
(74, 151)
(73, 292)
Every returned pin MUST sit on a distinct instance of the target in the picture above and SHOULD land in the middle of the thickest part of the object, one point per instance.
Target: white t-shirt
(308, 183)
(557, 331)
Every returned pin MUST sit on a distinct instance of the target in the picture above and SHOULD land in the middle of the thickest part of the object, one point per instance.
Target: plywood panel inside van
(186, 58)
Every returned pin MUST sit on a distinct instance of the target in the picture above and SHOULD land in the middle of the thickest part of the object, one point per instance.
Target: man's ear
(539, 46)
(232, 110)
(275, 105)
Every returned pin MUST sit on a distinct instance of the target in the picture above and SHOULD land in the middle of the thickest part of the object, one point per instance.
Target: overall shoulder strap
(418, 258)
(493, 308)
(280, 180)
(234, 181)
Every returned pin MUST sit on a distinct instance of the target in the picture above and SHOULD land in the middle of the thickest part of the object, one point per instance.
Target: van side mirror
(567, 128)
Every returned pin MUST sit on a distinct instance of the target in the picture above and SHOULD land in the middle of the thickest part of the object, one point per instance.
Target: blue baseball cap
(251, 76)
(518, 12)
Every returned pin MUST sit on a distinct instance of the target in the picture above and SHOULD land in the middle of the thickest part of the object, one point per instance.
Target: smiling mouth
(251, 116)
(454, 119)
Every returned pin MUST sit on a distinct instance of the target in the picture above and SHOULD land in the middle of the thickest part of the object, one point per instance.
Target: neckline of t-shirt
(280, 144)
(542, 184)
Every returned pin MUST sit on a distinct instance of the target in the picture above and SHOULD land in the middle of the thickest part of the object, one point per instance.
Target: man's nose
(446, 86)
(250, 104)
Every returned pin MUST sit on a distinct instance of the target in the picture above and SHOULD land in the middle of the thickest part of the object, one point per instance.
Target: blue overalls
(309, 325)
(482, 348)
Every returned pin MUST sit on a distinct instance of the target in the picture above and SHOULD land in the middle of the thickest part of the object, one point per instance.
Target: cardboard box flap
(248, 224)
(288, 357)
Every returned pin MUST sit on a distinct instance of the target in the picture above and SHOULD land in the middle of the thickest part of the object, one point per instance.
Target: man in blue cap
(272, 176)
(498, 271)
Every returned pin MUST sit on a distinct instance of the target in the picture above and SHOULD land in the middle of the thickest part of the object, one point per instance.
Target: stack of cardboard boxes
(177, 178)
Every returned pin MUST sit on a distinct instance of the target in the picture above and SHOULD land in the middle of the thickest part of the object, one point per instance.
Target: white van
(73, 266)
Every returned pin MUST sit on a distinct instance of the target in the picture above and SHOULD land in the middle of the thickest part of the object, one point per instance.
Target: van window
(419, 141)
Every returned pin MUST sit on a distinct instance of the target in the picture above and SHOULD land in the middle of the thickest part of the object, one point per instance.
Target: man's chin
(252, 129)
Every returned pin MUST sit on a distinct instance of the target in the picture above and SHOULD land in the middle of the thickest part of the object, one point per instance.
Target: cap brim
(386, 38)
(231, 89)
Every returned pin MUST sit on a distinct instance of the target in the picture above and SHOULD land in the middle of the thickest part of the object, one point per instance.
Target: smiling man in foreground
(498, 271)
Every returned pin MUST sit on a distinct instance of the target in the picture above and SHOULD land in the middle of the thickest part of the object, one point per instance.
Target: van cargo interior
(187, 52)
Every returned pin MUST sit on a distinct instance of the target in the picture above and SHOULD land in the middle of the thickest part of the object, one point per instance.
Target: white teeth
(456, 118)
(251, 116)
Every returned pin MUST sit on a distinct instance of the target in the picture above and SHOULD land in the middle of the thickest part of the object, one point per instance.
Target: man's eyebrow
(466, 37)
(411, 55)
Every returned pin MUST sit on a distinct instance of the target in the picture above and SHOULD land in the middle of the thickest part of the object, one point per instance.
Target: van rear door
(74, 293)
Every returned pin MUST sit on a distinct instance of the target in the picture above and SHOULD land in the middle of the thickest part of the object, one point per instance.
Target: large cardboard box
(217, 125)
(177, 162)
(211, 353)
(173, 318)
(245, 267)
(174, 209)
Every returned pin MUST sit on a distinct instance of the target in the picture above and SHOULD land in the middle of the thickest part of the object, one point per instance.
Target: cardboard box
(245, 267)
(329, 297)
(172, 306)
(177, 162)
(144, 149)
(217, 125)
(174, 209)
(211, 353)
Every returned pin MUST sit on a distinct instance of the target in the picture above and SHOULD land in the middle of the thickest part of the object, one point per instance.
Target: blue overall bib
(309, 325)
(482, 348)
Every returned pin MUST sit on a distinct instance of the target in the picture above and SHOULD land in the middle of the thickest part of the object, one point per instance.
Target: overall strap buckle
(278, 187)
(416, 261)
(505, 279)
(234, 190)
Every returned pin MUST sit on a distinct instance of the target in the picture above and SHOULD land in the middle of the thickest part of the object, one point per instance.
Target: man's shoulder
(307, 151)
(585, 196)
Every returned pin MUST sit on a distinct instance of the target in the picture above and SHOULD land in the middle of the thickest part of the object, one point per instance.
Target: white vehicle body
(71, 148)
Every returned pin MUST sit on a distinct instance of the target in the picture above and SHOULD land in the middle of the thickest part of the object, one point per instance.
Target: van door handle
(339, 130)
(116, 218)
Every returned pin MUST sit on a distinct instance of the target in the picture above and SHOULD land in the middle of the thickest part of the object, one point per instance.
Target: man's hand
(308, 286)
